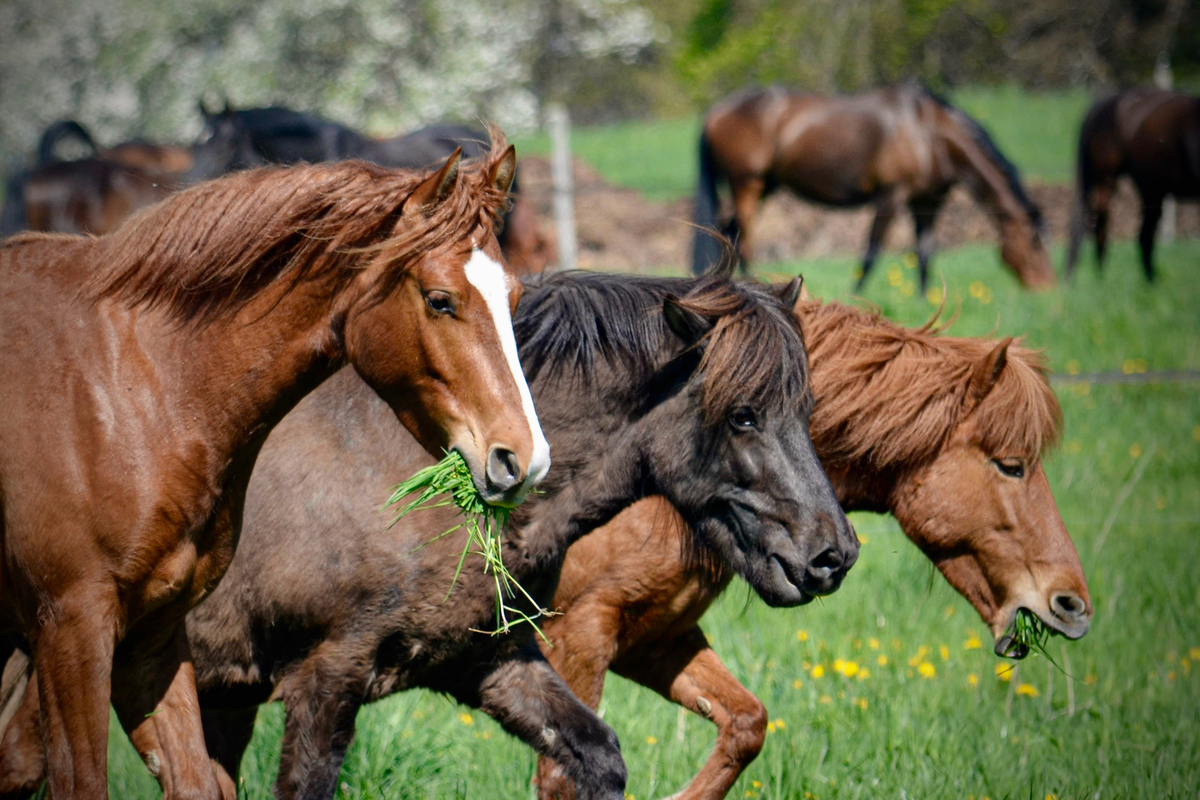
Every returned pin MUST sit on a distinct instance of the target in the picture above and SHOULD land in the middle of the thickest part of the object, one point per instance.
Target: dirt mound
(619, 229)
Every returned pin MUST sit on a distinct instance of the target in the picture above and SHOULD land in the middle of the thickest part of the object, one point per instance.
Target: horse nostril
(827, 563)
(1068, 604)
(503, 469)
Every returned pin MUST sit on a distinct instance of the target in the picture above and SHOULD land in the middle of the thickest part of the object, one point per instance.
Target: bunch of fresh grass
(449, 482)
(1029, 634)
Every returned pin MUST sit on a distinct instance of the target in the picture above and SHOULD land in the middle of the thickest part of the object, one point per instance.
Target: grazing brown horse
(898, 146)
(1151, 135)
(944, 433)
(702, 397)
(140, 373)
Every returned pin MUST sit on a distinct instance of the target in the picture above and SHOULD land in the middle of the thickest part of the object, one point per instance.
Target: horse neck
(985, 175)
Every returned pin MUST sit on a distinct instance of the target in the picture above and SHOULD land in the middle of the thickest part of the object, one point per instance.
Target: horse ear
(987, 372)
(434, 189)
(204, 112)
(504, 170)
(687, 324)
(792, 293)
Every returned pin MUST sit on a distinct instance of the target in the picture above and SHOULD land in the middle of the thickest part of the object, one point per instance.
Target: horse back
(1161, 132)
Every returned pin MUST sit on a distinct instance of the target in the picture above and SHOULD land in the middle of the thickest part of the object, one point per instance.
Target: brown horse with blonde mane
(902, 145)
(140, 373)
(944, 433)
(1151, 135)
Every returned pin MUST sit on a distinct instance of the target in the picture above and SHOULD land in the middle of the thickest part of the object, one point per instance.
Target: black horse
(13, 217)
(1151, 135)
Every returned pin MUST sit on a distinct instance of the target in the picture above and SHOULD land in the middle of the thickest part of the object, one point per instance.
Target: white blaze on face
(486, 275)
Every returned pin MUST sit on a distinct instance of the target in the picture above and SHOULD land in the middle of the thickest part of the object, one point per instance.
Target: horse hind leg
(1151, 214)
(746, 195)
(885, 212)
(686, 671)
(227, 734)
(528, 698)
(924, 216)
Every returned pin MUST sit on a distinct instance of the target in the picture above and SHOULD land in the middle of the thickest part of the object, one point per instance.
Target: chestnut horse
(944, 433)
(141, 371)
(1151, 135)
(898, 146)
(702, 398)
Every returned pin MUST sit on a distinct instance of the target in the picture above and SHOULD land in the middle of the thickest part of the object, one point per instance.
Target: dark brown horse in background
(898, 146)
(140, 373)
(944, 433)
(93, 194)
(1151, 135)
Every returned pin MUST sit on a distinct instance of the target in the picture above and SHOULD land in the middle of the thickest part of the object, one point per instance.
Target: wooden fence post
(563, 182)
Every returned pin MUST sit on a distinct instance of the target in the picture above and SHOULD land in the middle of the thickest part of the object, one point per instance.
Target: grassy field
(1036, 130)
(1120, 720)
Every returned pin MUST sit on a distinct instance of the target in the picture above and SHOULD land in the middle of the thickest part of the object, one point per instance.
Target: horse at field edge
(1151, 135)
(944, 433)
(141, 371)
(902, 145)
(240, 138)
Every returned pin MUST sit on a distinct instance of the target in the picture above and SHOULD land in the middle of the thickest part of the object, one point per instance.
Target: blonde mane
(892, 396)
(209, 250)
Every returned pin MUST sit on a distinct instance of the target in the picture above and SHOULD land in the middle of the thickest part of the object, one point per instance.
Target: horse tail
(1084, 181)
(63, 129)
(706, 249)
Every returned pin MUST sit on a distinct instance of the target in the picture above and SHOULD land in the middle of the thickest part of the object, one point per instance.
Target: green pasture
(1036, 130)
(883, 689)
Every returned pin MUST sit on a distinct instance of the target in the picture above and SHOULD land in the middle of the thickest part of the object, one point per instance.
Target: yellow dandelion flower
(651, 740)
(948, 611)
(807, 665)
(1185, 664)
(1132, 366)
(864, 673)
(1027, 689)
(779, 724)
(826, 699)
(756, 784)
(926, 669)
(1051, 796)
(1160, 502)
(934, 295)
(873, 643)
(801, 636)
(466, 719)
(851, 669)
(972, 680)
(487, 735)
(882, 660)
(818, 671)
(1072, 367)
(1004, 671)
(771, 727)
(749, 794)
(943, 652)
(987, 296)
(630, 797)
(1194, 652)
(1090, 680)
(857, 644)
(1081, 389)
(861, 703)
(922, 651)
(972, 643)
(1074, 446)
(895, 276)
(976, 289)
(838, 665)
(1196, 433)
(897, 645)
(910, 260)
(1135, 450)
(1171, 676)
(796, 684)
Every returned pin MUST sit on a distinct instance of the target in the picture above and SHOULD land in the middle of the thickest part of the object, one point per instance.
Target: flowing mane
(209, 250)
(980, 136)
(891, 396)
(755, 351)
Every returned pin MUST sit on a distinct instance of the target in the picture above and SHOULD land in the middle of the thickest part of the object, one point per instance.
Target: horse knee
(747, 732)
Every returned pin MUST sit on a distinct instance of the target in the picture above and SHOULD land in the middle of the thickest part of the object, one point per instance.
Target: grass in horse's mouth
(450, 480)
(1028, 633)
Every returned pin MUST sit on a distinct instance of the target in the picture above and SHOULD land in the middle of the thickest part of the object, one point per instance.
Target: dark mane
(983, 139)
(208, 251)
(892, 396)
(568, 322)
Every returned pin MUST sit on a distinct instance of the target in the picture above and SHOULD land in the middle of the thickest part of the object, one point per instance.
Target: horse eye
(1012, 467)
(743, 418)
(440, 302)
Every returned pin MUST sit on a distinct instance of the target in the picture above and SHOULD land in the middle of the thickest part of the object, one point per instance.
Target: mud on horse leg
(526, 696)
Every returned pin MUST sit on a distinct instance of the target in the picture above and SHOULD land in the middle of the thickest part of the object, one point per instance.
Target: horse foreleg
(155, 698)
(885, 212)
(322, 697)
(22, 756)
(1151, 214)
(686, 671)
(73, 654)
(526, 696)
(924, 215)
(227, 733)
(746, 195)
